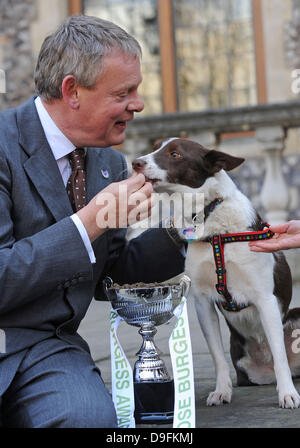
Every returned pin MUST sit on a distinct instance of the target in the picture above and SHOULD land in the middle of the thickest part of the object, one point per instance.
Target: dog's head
(183, 162)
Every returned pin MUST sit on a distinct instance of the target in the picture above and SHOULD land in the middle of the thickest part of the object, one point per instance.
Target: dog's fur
(261, 334)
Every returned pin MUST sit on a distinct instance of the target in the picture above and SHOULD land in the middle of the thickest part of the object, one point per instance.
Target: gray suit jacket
(46, 278)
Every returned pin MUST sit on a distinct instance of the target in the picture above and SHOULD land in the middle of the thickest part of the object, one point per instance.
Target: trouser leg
(58, 386)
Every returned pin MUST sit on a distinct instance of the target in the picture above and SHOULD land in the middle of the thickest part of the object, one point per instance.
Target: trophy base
(154, 402)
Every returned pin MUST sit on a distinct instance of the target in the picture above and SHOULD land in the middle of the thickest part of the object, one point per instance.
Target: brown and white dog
(261, 334)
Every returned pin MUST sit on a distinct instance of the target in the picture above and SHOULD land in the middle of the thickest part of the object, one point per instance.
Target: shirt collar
(58, 142)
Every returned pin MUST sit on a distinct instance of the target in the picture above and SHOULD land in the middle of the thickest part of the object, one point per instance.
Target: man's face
(105, 110)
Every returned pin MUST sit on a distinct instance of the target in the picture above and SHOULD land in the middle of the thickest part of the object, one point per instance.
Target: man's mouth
(121, 124)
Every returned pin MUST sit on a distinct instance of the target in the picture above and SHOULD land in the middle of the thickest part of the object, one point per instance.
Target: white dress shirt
(61, 146)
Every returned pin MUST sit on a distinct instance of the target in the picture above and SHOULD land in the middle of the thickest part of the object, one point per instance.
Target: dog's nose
(138, 164)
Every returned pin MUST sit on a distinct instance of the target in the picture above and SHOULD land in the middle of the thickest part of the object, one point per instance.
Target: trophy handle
(185, 282)
(107, 283)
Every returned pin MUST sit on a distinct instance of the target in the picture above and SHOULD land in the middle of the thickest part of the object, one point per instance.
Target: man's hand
(287, 236)
(118, 205)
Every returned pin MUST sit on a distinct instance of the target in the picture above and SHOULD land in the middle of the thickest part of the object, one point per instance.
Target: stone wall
(16, 50)
(23, 26)
(292, 37)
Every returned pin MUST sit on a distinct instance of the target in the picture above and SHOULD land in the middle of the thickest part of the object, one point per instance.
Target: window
(139, 18)
(197, 54)
(215, 53)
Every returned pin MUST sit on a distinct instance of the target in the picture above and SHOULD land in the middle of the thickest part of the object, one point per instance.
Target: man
(53, 259)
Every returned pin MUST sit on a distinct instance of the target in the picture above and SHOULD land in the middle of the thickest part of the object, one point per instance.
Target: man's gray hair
(78, 48)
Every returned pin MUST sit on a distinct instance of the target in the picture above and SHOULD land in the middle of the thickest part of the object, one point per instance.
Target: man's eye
(122, 94)
(175, 155)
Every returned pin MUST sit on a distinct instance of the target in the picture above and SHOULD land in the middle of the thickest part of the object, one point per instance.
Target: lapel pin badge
(105, 174)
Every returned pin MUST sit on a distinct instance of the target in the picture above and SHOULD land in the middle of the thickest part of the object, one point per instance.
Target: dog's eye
(175, 155)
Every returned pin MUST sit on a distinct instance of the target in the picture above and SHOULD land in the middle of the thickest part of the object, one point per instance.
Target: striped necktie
(75, 187)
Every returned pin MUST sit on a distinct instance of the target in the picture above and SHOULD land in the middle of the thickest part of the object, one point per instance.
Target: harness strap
(218, 242)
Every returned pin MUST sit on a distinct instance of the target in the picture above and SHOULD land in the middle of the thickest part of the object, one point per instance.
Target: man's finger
(134, 182)
(140, 212)
(142, 194)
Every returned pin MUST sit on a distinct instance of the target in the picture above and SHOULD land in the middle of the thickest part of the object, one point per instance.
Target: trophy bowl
(147, 306)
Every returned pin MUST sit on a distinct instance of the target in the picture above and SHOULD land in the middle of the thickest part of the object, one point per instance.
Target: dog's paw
(289, 400)
(219, 397)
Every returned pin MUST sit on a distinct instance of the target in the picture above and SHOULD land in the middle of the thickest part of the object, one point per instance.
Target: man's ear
(70, 92)
(215, 161)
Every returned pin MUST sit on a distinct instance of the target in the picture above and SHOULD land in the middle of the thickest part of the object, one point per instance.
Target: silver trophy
(146, 307)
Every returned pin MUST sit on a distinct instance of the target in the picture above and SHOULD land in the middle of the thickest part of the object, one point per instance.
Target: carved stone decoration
(292, 37)
(274, 193)
(17, 58)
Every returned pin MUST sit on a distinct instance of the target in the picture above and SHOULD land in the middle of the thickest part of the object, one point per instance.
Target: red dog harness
(217, 242)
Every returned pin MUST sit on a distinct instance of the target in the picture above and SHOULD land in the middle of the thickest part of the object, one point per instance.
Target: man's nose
(136, 104)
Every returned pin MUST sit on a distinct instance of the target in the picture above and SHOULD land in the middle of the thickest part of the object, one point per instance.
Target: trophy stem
(149, 367)
(153, 387)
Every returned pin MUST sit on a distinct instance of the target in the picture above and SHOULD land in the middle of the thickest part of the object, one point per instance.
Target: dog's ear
(158, 142)
(215, 161)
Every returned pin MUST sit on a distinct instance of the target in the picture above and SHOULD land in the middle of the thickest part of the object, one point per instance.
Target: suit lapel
(41, 166)
(43, 171)
(98, 171)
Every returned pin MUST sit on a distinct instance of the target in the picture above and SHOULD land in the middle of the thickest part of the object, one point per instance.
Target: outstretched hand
(118, 205)
(287, 236)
